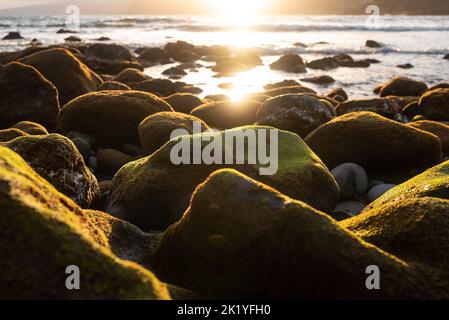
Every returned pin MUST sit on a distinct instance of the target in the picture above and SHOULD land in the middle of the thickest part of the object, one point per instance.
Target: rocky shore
(86, 179)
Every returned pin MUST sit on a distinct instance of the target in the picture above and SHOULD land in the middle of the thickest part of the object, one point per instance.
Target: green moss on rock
(30, 127)
(155, 130)
(375, 143)
(26, 95)
(71, 77)
(433, 182)
(416, 230)
(242, 239)
(153, 192)
(439, 129)
(43, 232)
(10, 134)
(57, 160)
(111, 117)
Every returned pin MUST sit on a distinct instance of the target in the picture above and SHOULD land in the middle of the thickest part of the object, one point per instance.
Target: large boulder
(383, 106)
(415, 230)
(433, 182)
(26, 95)
(70, 76)
(402, 86)
(111, 117)
(156, 130)
(241, 239)
(441, 130)
(299, 113)
(147, 194)
(44, 233)
(434, 104)
(375, 143)
(227, 114)
(56, 159)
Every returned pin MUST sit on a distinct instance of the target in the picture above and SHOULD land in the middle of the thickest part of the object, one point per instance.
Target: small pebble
(377, 191)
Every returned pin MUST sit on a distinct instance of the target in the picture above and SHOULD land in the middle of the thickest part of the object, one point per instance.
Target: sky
(223, 6)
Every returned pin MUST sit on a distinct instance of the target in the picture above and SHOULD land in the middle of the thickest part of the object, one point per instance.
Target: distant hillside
(411, 7)
(356, 7)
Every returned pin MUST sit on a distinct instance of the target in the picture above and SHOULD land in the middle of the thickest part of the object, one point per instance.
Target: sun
(237, 8)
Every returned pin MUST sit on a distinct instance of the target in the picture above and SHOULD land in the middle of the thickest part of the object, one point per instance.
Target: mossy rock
(26, 95)
(298, 113)
(288, 90)
(434, 104)
(242, 239)
(44, 232)
(71, 77)
(431, 183)
(108, 51)
(56, 159)
(113, 85)
(156, 130)
(384, 106)
(131, 75)
(402, 86)
(10, 134)
(110, 160)
(30, 127)
(415, 230)
(439, 129)
(125, 240)
(111, 117)
(227, 114)
(152, 193)
(375, 143)
(184, 102)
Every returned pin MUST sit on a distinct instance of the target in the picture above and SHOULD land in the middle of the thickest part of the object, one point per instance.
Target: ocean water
(419, 40)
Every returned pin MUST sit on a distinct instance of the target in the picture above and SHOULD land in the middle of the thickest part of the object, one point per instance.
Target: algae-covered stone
(402, 86)
(439, 129)
(26, 95)
(43, 233)
(227, 114)
(70, 76)
(298, 113)
(434, 104)
(57, 160)
(241, 239)
(10, 134)
(153, 192)
(111, 117)
(30, 127)
(131, 75)
(184, 102)
(156, 130)
(383, 106)
(113, 85)
(433, 182)
(375, 143)
(415, 230)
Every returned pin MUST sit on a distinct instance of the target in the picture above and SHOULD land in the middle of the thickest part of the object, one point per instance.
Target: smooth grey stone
(352, 180)
(351, 208)
(377, 191)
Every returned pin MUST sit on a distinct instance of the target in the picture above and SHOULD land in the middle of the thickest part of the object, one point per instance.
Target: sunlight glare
(237, 12)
